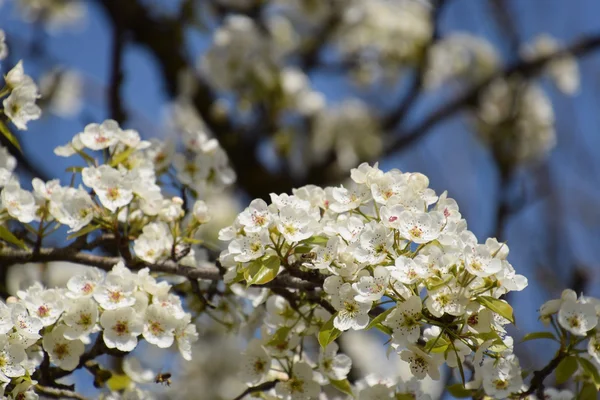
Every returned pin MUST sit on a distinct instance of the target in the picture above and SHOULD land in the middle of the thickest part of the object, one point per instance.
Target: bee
(164, 379)
(308, 256)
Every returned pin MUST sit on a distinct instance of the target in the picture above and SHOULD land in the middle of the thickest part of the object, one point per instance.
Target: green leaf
(591, 370)
(238, 277)
(118, 382)
(384, 329)
(380, 318)
(498, 306)
(538, 335)
(437, 345)
(83, 231)
(328, 332)
(8, 236)
(302, 249)
(122, 156)
(262, 271)
(9, 136)
(343, 386)
(566, 368)
(588, 392)
(458, 390)
(320, 240)
(279, 336)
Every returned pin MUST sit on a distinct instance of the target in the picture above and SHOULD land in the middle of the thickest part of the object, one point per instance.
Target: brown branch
(57, 393)
(116, 74)
(258, 388)
(10, 256)
(469, 97)
(537, 382)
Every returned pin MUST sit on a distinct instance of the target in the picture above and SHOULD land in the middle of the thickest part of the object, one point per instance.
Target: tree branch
(537, 382)
(57, 393)
(258, 388)
(524, 68)
(9, 257)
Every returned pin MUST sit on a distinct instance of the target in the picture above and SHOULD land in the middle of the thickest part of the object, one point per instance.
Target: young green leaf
(591, 370)
(83, 231)
(566, 368)
(328, 332)
(458, 390)
(498, 306)
(538, 335)
(7, 236)
(9, 136)
(380, 318)
(343, 386)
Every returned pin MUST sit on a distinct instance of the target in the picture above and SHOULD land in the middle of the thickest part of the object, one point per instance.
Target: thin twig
(58, 393)
(525, 68)
(258, 388)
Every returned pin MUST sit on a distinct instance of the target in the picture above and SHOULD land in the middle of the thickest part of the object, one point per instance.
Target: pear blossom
(448, 299)
(256, 363)
(404, 321)
(85, 284)
(155, 243)
(100, 136)
(375, 244)
(20, 106)
(111, 185)
(11, 357)
(421, 363)
(121, 328)
(351, 314)
(256, 217)
(420, 227)
(80, 318)
(63, 352)
(72, 207)
(502, 377)
(249, 247)
(159, 326)
(372, 288)
(19, 203)
(116, 291)
(185, 335)
(577, 317)
(333, 365)
(25, 324)
(7, 165)
(300, 384)
(200, 212)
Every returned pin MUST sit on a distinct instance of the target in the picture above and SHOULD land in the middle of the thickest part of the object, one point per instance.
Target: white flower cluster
(386, 238)
(54, 13)
(563, 70)
(460, 56)
(22, 92)
(3, 46)
(350, 130)
(579, 316)
(383, 34)
(516, 119)
(119, 306)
